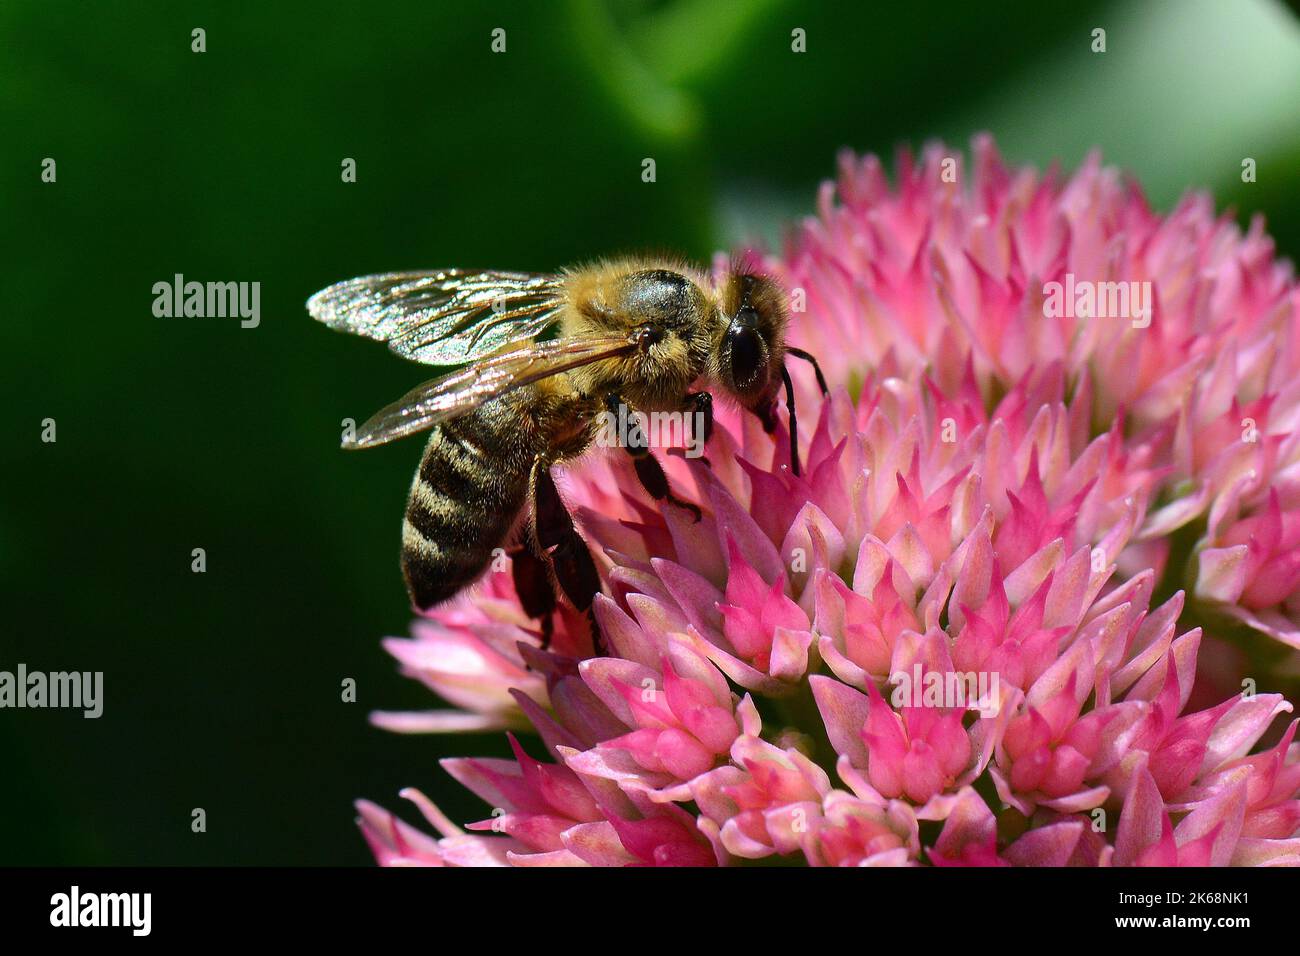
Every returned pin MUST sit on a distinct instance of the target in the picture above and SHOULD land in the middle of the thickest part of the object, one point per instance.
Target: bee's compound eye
(746, 353)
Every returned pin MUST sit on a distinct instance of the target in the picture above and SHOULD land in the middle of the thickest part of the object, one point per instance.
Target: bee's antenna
(794, 422)
(817, 369)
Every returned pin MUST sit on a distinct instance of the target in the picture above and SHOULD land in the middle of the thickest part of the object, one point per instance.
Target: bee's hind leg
(648, 469)
(555, 537)
(533, 584)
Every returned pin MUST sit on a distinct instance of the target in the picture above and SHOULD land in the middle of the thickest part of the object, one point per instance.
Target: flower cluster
(980, 606)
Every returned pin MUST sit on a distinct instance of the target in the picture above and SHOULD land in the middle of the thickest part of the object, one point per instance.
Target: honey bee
(544, 356)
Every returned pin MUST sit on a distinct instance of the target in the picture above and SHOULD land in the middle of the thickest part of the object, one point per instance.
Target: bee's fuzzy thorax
(619, 296)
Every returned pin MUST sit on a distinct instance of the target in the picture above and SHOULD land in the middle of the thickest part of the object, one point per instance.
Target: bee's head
(749, 356)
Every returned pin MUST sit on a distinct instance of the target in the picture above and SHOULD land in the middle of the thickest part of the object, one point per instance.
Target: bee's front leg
(648, 469)
(699, 429)
(701, 408)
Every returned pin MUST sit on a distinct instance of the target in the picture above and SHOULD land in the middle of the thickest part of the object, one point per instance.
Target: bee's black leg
(817, 369)
(648, 469)
(699, 406)
(533, 584)
(654, 481)
(557, 538)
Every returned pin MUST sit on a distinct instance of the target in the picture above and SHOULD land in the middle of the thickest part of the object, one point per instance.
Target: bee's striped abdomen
(467, 494)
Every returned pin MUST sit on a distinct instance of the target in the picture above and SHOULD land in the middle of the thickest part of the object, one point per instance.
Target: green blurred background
(223, 689)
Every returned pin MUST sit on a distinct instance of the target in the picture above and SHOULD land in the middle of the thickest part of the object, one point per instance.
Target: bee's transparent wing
(458, 392)
(445, 317)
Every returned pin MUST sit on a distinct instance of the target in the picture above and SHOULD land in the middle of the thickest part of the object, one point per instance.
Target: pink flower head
(1249, 565)
(1054, 414)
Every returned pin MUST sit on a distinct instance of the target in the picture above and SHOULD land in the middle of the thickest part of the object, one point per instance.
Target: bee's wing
(447, 317)
(458, 392)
